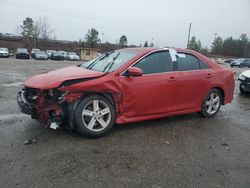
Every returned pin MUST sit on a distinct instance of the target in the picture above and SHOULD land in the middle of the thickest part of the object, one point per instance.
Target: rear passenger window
(157, 62)
(190, 62)
(203, 65)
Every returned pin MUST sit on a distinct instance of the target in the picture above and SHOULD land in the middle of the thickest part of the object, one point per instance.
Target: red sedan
(125, 86)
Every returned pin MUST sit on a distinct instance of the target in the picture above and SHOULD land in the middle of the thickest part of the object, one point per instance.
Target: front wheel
(211, 104)
(242, 89)
(94, 116)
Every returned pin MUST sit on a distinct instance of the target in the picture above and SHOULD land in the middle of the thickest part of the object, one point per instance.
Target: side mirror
(134, 71)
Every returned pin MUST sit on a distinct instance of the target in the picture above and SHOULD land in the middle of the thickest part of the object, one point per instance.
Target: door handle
(209, 75)
(171, 79)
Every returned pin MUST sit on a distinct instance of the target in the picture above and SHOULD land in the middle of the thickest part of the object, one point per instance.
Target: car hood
(55, 78)
(246, 74)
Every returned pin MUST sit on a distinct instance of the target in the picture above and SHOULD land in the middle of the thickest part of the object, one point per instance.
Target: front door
(152, 93)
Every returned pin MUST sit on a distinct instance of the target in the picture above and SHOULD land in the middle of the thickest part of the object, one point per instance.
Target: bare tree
(37, 31)
(46, 30)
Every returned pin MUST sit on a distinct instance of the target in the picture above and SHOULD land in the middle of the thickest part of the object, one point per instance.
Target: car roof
(151, 49)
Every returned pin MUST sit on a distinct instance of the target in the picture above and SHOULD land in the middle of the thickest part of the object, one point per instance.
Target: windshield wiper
(96, 61)
(111, 63)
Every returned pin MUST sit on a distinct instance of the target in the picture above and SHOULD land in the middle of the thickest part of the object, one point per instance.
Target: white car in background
(4, 52)
(72, 56)
(62, 53)
(49, 52)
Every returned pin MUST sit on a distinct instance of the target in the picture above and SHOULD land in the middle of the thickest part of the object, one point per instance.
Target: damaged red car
(127, 85)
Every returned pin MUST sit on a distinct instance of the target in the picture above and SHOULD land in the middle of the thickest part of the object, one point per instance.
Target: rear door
(194, 80)
(152, 93)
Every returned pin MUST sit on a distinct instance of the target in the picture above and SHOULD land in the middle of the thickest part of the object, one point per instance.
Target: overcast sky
(163, 21)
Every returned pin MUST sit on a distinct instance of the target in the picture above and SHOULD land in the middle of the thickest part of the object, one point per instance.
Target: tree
(46, 30)
(217, 45)
(146, 44)
(194, 45)
(243, 45)
(92, 38)
(229, 47)
(27, 31)
(36, 33)
(123, 40)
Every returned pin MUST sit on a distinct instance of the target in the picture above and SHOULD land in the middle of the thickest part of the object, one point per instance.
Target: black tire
(80, 123)
(204, 111)
(242, 91)
(241, 65)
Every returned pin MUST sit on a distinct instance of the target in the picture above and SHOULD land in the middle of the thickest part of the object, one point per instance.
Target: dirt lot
(183, 151)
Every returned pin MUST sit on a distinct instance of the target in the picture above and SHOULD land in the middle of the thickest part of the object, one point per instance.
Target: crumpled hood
(246, 73)
(55, 78)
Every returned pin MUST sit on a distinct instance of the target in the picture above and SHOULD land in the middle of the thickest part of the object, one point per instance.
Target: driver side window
(157, 62)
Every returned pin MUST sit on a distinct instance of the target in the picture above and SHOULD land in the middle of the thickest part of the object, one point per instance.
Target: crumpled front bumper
(45, 112)
(23, 104)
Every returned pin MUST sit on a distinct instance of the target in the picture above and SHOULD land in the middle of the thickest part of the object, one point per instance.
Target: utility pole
(189, 32)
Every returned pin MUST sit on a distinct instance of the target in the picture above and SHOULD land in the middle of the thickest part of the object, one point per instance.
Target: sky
(163, 22)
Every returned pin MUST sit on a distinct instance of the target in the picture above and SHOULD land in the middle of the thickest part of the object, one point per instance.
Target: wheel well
(222, 93)
(107, 95)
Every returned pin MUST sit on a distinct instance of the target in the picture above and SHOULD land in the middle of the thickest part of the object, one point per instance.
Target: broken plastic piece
(54, 125)
(30, 141)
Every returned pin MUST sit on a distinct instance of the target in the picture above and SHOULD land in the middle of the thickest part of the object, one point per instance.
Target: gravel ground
(182, 151)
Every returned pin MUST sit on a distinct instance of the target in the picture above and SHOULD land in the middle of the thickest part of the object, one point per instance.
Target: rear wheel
(211, 104)
(241, 65)
(95, 116)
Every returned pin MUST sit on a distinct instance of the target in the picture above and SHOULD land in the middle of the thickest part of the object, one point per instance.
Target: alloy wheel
(96, 115)
(212, 103)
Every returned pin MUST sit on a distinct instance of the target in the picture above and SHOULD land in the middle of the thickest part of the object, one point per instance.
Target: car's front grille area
(31, 95)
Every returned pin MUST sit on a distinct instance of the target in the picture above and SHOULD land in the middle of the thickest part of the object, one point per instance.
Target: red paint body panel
(143, 97)
(54, 78)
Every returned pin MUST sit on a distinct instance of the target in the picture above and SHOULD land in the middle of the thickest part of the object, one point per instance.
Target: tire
(88, 119)
(241, 65)
(242, 91)
(210, 109)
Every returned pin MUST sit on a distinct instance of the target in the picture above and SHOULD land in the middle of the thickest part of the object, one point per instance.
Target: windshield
(56, 53)
(110, 61)
(3, 49)
(24, 50)
(41, 53)
(72, 53)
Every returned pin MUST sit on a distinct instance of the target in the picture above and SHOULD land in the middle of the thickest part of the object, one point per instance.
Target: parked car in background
(49, 52)
(33, 51)
(41, 55)
(127, 85)
(240, 63)
(244, 79)
(22, 53)
(4, 52)
(63, 53)
(57, 56)
(228, 60)
(72, 56)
